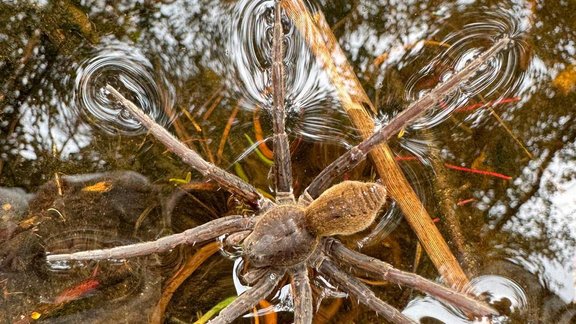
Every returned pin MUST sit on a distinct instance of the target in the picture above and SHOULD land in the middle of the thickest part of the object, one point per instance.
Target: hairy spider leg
(227, 180)
(362, 293)
(205, 232)
(249, 298)
(358, 153)
(302, 295)
(282, 161)
(381, 270)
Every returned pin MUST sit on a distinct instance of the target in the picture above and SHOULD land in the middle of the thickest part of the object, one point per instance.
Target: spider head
(280, 238)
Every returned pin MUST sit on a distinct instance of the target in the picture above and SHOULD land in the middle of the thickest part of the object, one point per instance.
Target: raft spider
(291, 236)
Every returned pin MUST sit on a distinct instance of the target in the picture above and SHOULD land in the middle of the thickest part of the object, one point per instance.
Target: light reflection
(533, 212)
(497, 79)
(502, 293)
(312, 111)
(126, 69)
(546, 219)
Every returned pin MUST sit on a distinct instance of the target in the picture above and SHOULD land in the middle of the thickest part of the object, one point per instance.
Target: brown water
(197, 67)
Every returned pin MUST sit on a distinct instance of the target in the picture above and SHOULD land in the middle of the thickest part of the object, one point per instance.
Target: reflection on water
(517, 300)
(80, 240)
(501, 292)
(207, 64)
(496, 79)
(312, 111)
(128, 70)
(79, 212)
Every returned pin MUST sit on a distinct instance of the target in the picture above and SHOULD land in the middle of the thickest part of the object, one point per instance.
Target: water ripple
(114, 279)
(496, 79)
(499, 291)
(132, 74)
(309, 95)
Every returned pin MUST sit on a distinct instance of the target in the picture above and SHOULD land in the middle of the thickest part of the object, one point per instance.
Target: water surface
(202, 69)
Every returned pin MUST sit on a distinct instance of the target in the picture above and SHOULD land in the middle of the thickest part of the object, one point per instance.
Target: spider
(297, 237)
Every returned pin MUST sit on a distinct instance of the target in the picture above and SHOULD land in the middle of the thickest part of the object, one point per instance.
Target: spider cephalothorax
(289, 236)
(280, 238)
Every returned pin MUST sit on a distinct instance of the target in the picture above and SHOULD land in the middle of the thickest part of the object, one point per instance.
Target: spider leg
(282, 162)
(384, 271)
(207, 169)
(359, 290)
(254, 274)
(302, 294)
(199, 234)
(249, 298)
(358, 153)
(235, 239)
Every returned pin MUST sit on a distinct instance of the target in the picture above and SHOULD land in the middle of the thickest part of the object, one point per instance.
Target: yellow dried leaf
(566, 80)
(6, 207)
(35, 315)
(401, 133)
(103, 186)
(29, 222)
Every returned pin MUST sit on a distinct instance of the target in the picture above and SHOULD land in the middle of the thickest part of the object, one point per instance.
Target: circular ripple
(250, 48)
(496, 79)
(309, 97)
(113, 279)
(503, 293)
(127, 70)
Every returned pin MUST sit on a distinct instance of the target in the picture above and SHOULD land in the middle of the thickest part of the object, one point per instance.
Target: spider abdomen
(280, 238)
(346, 208)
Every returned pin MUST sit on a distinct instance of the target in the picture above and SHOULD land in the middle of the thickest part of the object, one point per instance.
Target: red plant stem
(459, 168)
(78, 291)
(483, 172)
(490, 103)
(465, 201)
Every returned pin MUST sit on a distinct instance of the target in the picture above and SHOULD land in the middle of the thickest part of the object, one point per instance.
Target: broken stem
(185, 271)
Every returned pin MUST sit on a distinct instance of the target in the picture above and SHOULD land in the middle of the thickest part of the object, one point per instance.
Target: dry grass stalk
(324, 46)
(183, 273)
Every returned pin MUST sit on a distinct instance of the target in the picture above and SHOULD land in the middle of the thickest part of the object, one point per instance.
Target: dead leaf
(565, 81)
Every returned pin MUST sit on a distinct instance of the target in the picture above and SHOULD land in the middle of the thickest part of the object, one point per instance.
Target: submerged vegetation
(490, 161)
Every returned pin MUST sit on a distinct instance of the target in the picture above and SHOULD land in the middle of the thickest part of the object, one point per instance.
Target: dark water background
(199, 66)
